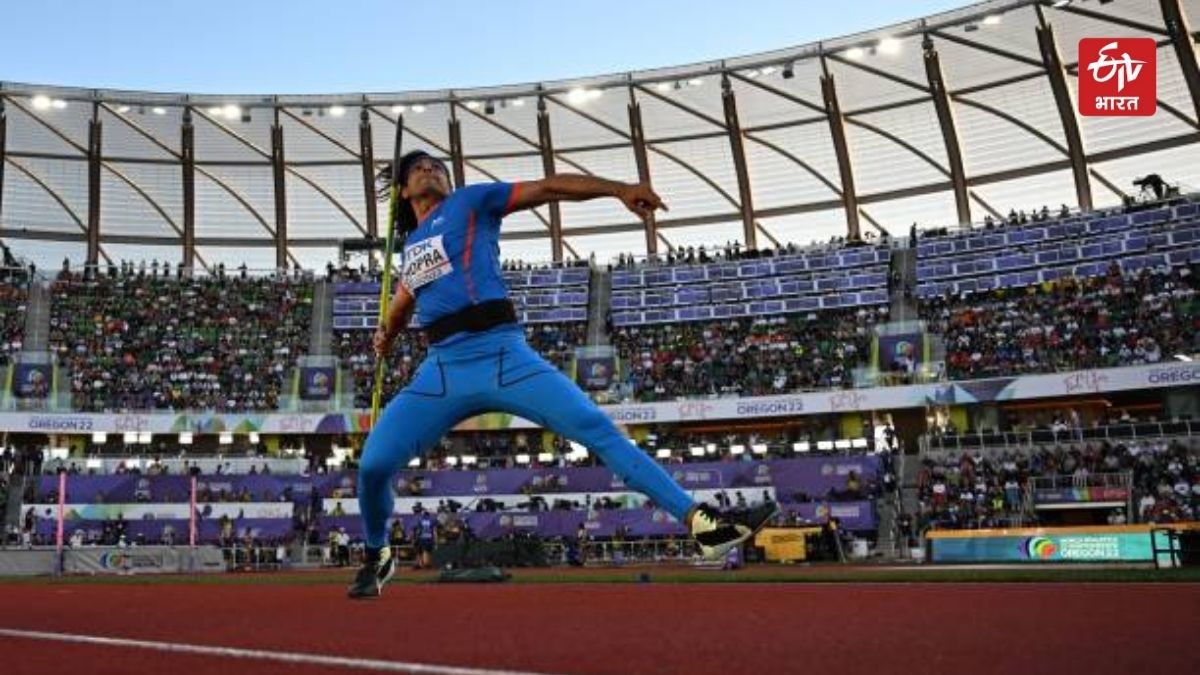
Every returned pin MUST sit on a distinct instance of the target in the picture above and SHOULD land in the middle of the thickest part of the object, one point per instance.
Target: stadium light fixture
(397, 109)
(854, 53)
(737, 449)
(185, 438)
(545, 457)
(759, 448)
(452, 460)
(1059, 4)
(992, 20)
(858, 443)
(517, 102)
(801, 446)
(696, 451)
(414, 463)
(469, 460)
(695, 82)
(225, 439)
(231, 111)
(58, 104)
(711, 448)
(663, 453)
(253, 436)
(418, 109)
(522, 458)
(337, 110)
(129, 437)
(889, 46)
(752, 73)
(99, 437)
(159, 111)
(473, 105)
(215, 110)
(1183, 357)
(768, 70)
(94, 463)
(824, 445)
(144, 438)
(579, 95)
(663, 86)
(333, 462)
(842, 444)
(122, 109)
(41, 102)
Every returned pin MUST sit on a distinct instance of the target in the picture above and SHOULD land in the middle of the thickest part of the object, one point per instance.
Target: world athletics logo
(113, 561)
(1039, 548)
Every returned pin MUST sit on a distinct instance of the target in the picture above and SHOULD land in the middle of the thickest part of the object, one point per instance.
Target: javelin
(386, 285)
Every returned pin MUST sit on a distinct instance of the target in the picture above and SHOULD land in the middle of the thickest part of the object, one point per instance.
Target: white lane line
(259, 654)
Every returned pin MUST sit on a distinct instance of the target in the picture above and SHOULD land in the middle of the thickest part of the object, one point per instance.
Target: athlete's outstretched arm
(637, 197)
(398, 316)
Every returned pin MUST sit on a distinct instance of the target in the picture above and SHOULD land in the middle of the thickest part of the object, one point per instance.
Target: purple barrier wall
(856, 516)
(208, 531)
(814, 476)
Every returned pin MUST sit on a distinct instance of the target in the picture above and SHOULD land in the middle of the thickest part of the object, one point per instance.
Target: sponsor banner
(32, 380)
(1074, 383)
(316, 383)
(1082, 495)
(1066, 545)
(142, 560)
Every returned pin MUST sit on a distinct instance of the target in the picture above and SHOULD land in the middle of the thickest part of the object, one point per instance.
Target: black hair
(406, 218)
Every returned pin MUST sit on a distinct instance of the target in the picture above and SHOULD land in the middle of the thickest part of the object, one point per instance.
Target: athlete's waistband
(474, 319)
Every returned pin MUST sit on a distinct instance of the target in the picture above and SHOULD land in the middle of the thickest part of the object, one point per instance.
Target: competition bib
(425, 261)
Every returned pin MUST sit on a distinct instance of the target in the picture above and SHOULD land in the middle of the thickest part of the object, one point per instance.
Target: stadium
(906, 294)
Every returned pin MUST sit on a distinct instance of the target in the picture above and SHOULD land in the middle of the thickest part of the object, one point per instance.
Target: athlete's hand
(641, 199)
(382, 342)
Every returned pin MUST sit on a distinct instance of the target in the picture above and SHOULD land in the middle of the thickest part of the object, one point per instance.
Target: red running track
(620, 628)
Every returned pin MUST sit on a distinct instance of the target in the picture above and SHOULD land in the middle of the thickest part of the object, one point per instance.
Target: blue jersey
(452, 259)
(425, 527)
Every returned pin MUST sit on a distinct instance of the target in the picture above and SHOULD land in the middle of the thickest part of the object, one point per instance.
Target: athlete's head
(422, 175)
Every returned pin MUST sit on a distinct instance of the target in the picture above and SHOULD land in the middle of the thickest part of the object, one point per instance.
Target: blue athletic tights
(494, 371)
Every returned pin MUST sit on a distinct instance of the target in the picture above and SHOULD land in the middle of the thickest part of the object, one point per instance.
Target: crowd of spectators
(733, 250)
(977, 491)
(1069, 324)
(140, 339)
(746, 357)
(12, 319)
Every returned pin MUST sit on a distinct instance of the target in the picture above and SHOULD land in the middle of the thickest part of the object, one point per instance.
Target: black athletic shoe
(371, 577)
(718, 532)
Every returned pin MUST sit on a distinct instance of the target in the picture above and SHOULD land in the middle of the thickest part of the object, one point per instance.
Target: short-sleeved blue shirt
(452, 260)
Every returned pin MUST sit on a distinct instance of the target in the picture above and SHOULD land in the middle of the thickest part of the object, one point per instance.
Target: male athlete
(478, 360)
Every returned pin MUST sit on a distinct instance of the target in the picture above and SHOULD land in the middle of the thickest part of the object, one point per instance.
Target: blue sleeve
(493, 199)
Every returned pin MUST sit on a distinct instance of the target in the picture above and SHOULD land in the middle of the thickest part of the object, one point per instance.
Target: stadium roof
(1017, 149)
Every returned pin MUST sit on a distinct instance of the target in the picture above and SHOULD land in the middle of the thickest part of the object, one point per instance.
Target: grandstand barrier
(1054, 545)
(1051, 385)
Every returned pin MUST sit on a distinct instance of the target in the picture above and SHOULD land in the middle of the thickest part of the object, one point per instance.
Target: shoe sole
(718, 552)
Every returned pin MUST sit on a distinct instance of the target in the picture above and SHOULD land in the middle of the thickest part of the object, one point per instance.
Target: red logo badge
(1117, 77)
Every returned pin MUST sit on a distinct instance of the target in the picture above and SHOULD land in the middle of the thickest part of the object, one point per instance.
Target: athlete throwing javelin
(478, 360)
